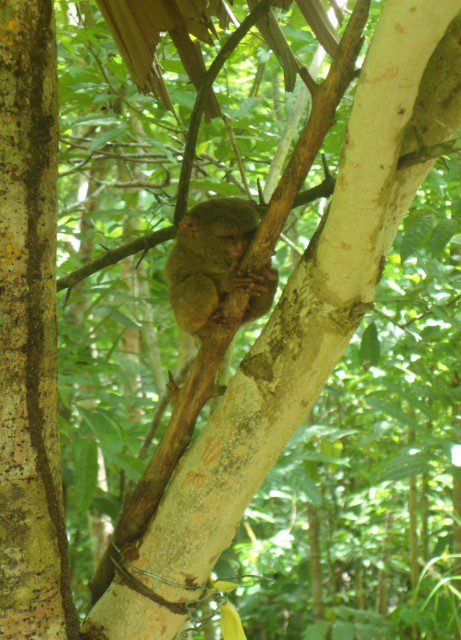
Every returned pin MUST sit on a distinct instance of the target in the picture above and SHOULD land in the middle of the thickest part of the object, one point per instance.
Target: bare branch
(236, 150)
(162, 405)
(138, 184)
(429, 153)
(112, 257)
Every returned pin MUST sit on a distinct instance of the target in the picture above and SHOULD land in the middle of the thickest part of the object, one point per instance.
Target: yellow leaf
(224, 587)
(231, 625)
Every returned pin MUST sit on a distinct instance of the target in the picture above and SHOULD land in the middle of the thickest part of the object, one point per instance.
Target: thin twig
(74, 206)
(199, 106)
(238, 157)
(115, 255)
(430, 311)
(162, 405)
(291, 244)
(137, 184)
(77, 167)
(123, 99)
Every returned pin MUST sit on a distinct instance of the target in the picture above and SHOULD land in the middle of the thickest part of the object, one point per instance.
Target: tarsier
(203, 266)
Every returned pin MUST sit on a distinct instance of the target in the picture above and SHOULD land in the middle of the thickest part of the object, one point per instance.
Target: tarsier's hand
(260, 303)
(260, 286)
(250, 282)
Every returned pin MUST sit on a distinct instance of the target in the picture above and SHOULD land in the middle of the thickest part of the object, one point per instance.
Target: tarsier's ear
(188, 224)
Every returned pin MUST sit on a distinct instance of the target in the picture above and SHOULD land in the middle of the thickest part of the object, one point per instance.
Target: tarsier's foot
(217, 317)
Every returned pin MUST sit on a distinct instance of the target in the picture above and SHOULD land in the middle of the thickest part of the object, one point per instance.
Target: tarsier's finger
(243, 282)
(269, 274)
(257, 277)
(259, 288)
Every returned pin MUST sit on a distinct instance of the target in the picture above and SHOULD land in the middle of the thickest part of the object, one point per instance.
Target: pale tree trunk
(284, 372)
(136, 281)
(360, 588)
(99, 526)
(413, 523)
(424, 533)
(424, 530)
(36, 596)
(315, 561)
(457, 516)
(301, 99)
(130, 343)
(457, 485)
(149, 334)
(382, 598)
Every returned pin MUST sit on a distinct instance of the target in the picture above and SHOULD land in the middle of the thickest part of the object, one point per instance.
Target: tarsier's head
(220, 229)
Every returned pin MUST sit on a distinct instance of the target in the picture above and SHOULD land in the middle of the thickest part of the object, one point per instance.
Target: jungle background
(353, 533)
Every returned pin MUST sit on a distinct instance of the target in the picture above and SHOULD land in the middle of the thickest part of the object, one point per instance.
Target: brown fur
(203, 265)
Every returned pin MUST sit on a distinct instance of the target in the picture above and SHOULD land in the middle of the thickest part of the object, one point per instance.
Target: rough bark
(35, 588)
(284, 372)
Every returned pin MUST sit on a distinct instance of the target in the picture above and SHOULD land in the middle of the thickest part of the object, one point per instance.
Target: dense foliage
(371, 469)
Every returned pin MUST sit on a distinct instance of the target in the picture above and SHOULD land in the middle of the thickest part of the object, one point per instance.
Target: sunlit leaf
(370, 348)
(416, 232)
(86, 472)
(442, 235)
(230, 623)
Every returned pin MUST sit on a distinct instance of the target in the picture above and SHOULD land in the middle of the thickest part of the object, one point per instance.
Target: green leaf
(343, 631)
(124, 320)
(86, 472)
(107, 505)
(99, 141)
(312, 492)
(410, 615)
(318, 631)
(369, 632)
(404, 465)
(442, 235)
(416, 233)
(370, 349)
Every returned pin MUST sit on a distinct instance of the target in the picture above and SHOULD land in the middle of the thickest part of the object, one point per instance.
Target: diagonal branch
(196, 389)
(111, 257)
(143, 502)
